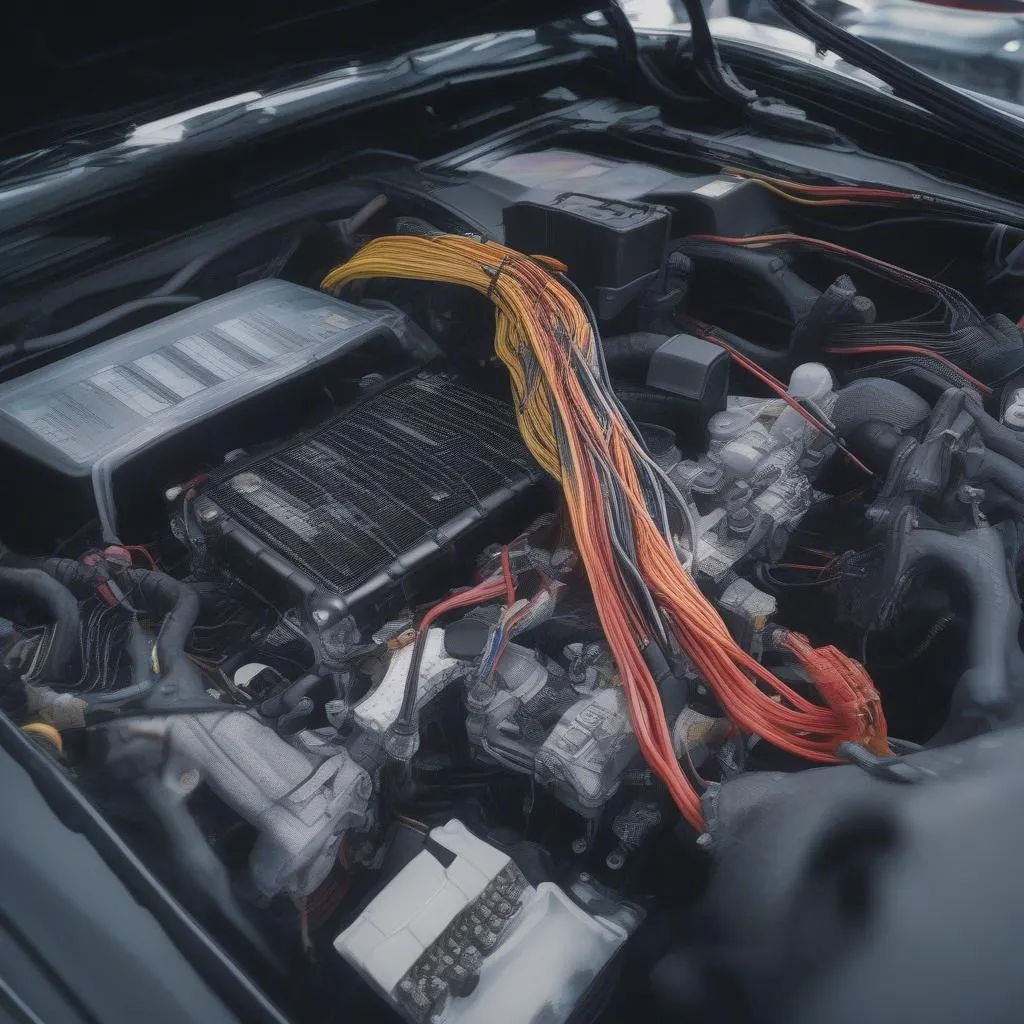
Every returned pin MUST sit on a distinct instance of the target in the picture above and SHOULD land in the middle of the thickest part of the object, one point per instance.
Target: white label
(323, 323)
(715, 189)
(60, 429)
(169, 375)
(251, 338)
(209, 357)
(117, 382)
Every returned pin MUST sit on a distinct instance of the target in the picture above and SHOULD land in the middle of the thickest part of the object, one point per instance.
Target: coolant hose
(57, 605)
(1003, 472)
(977, 559)
(873, 415)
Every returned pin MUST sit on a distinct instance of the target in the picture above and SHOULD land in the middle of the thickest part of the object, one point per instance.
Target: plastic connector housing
(460, 935)
(613, 249)
(695, 370)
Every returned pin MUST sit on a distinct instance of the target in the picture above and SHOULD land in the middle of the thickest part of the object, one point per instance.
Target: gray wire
(47, 342)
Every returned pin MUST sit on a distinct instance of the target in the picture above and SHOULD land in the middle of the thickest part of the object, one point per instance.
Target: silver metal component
(379, 709)
(244, 483)
(616, 860)
(755, 480)
(1013, 414)
(61, 710)
(634, 823)
(697, 737)
(571, 732)
(302, 804)
(583, 757)
(208, 513)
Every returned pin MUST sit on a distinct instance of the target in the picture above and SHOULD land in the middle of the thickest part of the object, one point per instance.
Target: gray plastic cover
(301, 802)
(89, 412)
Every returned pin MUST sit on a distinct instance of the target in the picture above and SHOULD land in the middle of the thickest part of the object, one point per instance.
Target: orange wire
(545, 340)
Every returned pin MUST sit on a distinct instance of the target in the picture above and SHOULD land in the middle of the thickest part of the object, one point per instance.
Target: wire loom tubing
(618, 503)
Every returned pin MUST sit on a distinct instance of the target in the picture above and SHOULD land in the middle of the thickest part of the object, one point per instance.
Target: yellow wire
(46, 732)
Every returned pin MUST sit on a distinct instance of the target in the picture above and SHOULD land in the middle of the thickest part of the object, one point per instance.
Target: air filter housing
(362, 513)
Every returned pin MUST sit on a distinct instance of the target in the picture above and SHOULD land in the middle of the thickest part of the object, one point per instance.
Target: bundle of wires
(824, 195)
(622, 506)
(951, 336)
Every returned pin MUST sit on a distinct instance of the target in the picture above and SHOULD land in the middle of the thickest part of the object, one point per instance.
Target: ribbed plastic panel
(368, 497)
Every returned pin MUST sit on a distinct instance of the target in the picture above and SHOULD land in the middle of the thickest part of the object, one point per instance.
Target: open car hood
(88, 62)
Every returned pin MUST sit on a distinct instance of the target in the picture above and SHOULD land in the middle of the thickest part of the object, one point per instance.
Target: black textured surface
(375, 493)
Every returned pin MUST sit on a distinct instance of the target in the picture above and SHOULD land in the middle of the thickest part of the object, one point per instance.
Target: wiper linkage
(773, 116)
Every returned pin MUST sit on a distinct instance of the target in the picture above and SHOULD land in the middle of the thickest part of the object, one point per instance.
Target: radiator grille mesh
(415, 463)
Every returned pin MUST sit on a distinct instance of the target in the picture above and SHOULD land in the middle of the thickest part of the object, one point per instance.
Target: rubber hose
(178, 605)
(61, 610)
(978, 559)
(628, 356)
(1004, 472)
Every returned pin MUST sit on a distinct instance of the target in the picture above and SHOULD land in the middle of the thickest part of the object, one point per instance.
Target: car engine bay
(457, 577)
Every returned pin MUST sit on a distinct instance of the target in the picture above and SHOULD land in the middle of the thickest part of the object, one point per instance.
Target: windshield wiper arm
(1000, 134)
(772, 116)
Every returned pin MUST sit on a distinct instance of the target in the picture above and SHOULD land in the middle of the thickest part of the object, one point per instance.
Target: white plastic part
(811, 381)
(377, 711)
(398, 927)
(245, 674)
(419, 938)
(1013, 414)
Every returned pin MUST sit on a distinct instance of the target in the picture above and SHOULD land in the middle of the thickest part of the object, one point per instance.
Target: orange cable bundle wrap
(544, 338)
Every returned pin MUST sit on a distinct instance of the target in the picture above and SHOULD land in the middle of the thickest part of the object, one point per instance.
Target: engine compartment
(339, 648)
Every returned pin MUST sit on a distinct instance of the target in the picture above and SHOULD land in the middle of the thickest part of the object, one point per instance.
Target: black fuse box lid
(694, 369)
(613, 249)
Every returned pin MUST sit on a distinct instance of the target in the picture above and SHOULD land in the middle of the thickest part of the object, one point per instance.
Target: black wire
(636, 62)
(919, 219)
(652, 470)
(47, 342)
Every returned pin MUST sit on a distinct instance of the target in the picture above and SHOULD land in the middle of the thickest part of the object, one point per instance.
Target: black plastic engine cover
(364, 510)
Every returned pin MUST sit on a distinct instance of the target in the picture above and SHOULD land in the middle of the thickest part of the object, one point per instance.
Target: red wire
(915, 350)
(780, 389)
(506, 571)
(486, 591)
(788, 238)
(140, 549)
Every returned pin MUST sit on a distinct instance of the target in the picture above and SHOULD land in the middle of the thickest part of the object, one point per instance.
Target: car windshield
(973, 44)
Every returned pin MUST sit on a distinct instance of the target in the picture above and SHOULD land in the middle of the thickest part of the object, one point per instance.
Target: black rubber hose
(977, 559)
(178, 605)
(997, 436)
(43, 594)
(628, 356)
(1005, 473)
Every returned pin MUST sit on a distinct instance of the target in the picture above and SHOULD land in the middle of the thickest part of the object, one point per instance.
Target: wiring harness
(628, 519)
(953, 335)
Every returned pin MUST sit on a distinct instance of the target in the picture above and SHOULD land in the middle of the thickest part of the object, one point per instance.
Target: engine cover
(356, 515)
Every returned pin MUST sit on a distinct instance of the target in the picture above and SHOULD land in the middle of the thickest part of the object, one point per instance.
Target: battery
(87, 437)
